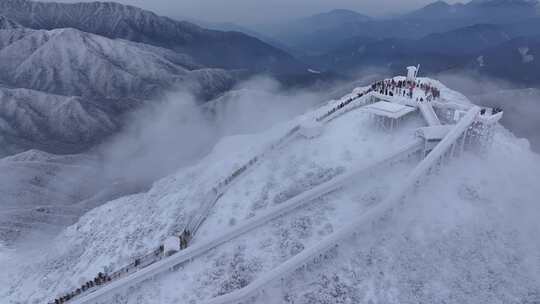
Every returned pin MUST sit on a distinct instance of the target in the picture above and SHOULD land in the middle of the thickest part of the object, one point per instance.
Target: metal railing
(369, 216)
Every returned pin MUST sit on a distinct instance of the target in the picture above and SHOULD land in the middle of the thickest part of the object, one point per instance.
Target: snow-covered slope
(466, 235)
(66, 90)
(51, 122)
(105, 60)
(42, 193)
(229, 50)
(38, 191)
(74, 63)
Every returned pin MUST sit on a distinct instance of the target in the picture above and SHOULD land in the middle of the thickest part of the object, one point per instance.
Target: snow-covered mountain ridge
(473, 219)
(108, 59)
(70, 62)
(50, 122)
(114, 20)
(80, 85)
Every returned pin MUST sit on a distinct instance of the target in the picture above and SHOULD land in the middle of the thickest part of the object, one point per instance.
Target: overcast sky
(264, 11)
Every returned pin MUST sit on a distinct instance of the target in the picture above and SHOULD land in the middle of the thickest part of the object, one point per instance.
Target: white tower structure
(411, 73)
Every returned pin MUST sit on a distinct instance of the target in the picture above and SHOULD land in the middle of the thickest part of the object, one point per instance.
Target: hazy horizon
(246, 12)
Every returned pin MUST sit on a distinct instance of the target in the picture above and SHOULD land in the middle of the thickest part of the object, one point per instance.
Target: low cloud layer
(177, 131)
(521, 105)
(157, 140)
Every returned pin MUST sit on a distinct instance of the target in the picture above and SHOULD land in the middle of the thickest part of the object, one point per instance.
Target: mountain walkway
(156, 262)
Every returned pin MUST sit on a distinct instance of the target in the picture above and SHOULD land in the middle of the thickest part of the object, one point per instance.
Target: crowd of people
(99, 280)
(496, 110)
(343, 104)
(391, 87)
(184, 239)
(102, 278)
(405, 88)
(236, 173)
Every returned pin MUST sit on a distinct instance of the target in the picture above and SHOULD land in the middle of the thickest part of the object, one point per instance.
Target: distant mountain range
(517, 60)
(322, 33)
(98, 61)
(113, 20)
(479, 11)
(88, 64)
(233, 27)
(487, 37)
(317, 33)
(494, 50)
